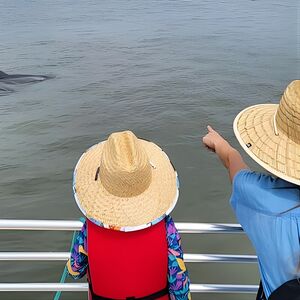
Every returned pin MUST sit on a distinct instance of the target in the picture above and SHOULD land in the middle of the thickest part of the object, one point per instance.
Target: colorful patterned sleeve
(179, 282)
(78, 262)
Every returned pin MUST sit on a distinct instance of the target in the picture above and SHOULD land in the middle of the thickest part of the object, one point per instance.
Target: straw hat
(125, 183)
(270, 134)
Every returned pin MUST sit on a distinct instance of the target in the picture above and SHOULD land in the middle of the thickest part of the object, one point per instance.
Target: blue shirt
(265, 207)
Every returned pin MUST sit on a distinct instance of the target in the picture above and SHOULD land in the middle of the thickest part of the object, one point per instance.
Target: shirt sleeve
(246, 185)
(78, 261)
(178, 279)
(238, 188)
(260, 192)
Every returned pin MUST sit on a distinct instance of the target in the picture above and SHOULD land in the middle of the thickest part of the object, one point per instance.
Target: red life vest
(127, 264)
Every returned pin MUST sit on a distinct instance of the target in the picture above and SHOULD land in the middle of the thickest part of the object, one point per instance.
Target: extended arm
(230, 157)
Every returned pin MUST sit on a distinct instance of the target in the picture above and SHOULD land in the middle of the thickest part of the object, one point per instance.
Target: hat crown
(288, 112)
(125, 170)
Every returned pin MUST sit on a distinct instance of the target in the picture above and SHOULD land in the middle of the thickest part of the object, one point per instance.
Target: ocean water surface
(164, 69)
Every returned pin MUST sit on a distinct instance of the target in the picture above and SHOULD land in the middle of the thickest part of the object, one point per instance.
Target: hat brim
(254, 128)
(125, 214)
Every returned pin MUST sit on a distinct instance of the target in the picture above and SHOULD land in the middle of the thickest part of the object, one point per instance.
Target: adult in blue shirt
(268, 206)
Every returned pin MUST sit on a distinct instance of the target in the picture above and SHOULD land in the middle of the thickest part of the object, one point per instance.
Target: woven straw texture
(136, 182)
(270, 134)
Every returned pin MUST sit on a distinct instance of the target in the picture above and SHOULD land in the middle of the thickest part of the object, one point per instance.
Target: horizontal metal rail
(64, 256)
(31, 256)
(63, 225)
(8, 224)
(224, 288)
(83, 287)
(43, 287)
(220, 258)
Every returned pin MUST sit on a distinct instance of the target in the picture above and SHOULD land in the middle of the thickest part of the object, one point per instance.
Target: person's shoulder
(170, 224)
(242, 178)
(247, 178)
(246, 184)
(242, 175)
(262, 192)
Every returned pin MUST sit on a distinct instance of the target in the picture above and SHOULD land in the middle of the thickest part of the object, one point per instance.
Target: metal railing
(79, 287)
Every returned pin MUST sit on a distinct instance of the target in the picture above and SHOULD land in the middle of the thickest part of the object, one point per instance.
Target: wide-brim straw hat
(125, 183)
(270, 134)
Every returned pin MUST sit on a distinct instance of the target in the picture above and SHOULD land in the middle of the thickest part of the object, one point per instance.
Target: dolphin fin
(2, 74)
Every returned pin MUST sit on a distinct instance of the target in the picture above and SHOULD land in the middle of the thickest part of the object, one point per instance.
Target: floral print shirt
(178, 280)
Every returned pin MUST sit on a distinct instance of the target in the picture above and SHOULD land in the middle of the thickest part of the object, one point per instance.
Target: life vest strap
(154, 296)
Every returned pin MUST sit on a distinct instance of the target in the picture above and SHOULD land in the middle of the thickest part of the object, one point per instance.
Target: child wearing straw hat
(267, 206)
(128, 246)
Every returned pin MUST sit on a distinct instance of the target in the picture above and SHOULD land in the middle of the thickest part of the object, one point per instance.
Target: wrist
(223, 147)
(224, 150)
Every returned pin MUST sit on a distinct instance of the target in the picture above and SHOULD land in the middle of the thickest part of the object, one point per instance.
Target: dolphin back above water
(21, 78)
